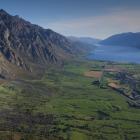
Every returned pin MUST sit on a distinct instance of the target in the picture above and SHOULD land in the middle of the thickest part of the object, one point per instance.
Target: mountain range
(87, 40)
(27, 47)
(124, 39)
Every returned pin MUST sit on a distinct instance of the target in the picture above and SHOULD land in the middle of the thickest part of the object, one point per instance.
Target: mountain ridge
(124, 39)
(26, 45)
(88, 40)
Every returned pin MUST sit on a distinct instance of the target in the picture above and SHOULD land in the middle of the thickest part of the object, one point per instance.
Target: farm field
(74, 102)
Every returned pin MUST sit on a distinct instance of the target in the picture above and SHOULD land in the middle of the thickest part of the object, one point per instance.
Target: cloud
(117, 21)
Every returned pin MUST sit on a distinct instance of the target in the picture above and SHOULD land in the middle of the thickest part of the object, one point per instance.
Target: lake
(116, 53)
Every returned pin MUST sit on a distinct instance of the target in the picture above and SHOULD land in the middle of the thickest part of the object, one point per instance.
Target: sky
(81, 18)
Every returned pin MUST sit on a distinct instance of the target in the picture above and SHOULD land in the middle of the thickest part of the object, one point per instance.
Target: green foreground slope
(65, 104)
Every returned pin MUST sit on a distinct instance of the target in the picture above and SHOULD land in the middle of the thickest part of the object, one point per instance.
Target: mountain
(85, 44)
(87, 40)
(124, 39)
(28, 47)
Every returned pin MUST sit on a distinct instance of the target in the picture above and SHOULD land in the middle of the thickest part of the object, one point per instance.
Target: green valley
(67, 105)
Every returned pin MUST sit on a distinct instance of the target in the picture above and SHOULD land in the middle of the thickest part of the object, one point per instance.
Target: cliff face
(24, 44)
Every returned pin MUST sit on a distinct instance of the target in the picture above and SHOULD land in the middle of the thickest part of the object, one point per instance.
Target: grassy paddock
(65, 104)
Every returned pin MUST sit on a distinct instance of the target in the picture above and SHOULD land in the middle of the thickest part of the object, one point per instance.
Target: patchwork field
(66, 105)
(94, 74)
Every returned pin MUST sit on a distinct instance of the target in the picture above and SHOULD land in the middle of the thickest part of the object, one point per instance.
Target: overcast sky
(90, 18)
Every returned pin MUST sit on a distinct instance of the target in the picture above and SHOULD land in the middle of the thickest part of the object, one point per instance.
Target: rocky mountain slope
(25, 45)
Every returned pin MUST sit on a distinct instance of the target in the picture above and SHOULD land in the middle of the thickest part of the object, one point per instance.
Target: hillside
(87, 40)
(28, 46)
(124, 39)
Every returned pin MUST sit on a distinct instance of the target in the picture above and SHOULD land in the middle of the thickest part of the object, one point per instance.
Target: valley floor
(84, 100)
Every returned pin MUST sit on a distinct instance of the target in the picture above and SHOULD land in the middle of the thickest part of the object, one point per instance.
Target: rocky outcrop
(24, 44)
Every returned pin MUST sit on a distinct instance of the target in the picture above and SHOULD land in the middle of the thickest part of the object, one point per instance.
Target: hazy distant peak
(3, 11)
(123, 39)
(88, 40)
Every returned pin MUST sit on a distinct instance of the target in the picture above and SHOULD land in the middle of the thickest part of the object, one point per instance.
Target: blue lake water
(116, 53)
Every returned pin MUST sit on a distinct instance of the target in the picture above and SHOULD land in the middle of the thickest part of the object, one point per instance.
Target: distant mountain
(86, 44)
(87, 40)
(124, 39)
(27, 46)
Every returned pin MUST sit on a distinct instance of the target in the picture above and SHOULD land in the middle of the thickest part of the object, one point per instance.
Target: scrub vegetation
(66, 104)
